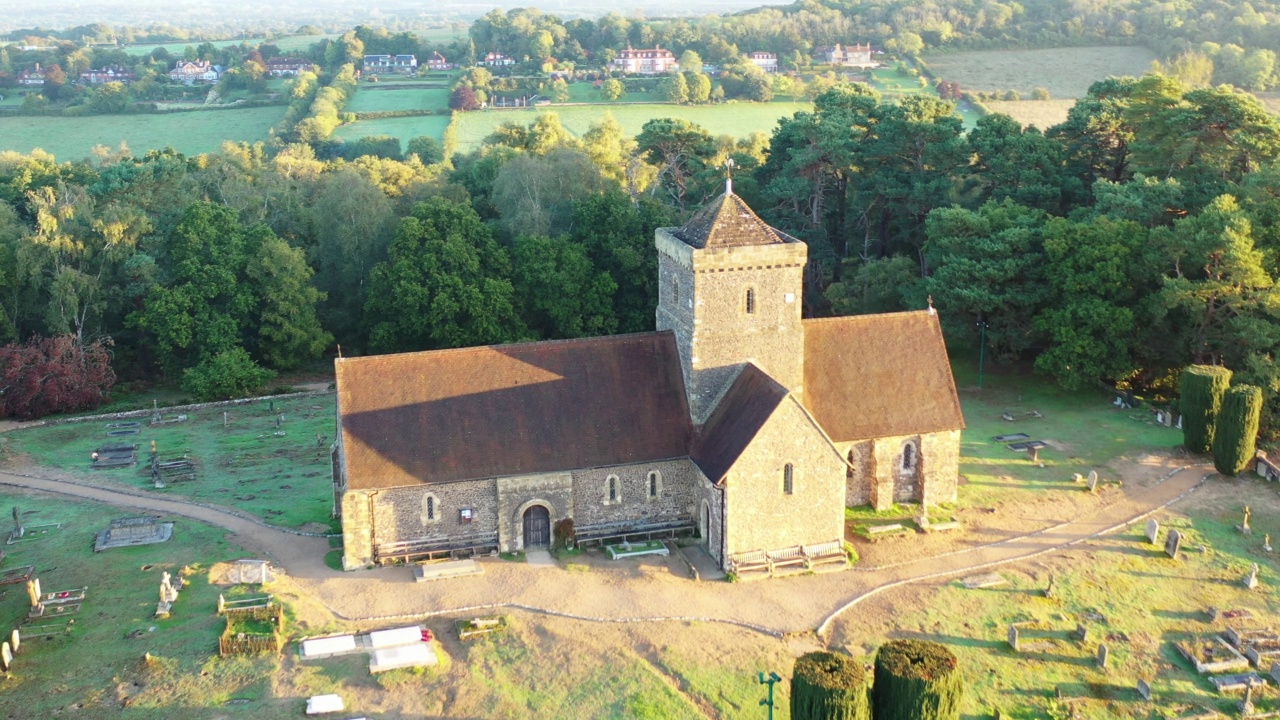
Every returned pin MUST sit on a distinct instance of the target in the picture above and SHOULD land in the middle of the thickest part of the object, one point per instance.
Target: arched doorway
(704, 522)
(537, 527)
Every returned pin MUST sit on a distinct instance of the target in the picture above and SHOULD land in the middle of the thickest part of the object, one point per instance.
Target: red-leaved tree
(54, 374)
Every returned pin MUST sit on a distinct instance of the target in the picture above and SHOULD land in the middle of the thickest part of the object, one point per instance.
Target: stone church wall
(675, 501)
(880, 479)
(858, 478)
(516, 494)
(760, 515)
(400, 513)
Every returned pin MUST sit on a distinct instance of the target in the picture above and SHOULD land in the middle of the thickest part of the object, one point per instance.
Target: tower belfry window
(751, 301)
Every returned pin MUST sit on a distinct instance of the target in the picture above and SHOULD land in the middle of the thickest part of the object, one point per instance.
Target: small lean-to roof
(449, 415)
(869, 376)
(737, 419)
(727, 221)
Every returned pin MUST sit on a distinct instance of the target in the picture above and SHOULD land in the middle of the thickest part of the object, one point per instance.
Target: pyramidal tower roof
(727, 221)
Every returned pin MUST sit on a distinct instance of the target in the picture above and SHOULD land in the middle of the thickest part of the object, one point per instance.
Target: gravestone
(1244, 524)
(1144, 690)
(33, 591)
(125, 532)
(1246, 705)
(1251, 582)
(1153, 531)
(1103, 654)
(1266, 543)
(1081, 633)
(1093, 481)
(1048, 591)
(1013, 637)
(15, 640)
(1275, 672)
(6, 656)
(1173, 544)
(18, 530)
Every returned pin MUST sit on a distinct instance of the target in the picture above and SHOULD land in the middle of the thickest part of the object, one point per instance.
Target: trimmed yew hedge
(917, 680)
(1236, 430)
(1201, 387)
(827, 686)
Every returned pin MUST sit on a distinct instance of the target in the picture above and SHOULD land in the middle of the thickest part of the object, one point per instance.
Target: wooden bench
(786, 557)
(749, 562)
(829, 552)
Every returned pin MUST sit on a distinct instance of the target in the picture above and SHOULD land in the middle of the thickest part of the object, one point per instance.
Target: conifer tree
(1236, 429)
(827, 686)
(1201, 388)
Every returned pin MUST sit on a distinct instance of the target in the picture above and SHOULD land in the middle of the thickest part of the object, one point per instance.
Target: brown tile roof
(743, 410)
(727, 221)
(868, 376)
(446, 415)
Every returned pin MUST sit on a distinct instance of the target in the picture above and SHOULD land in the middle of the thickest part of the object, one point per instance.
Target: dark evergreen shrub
(917, 680)
(1236, 429)
(1201, 387)
(827, 686)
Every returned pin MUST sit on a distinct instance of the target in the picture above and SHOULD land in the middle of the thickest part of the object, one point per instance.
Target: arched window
(788, 478)
(909, 457)
(430, 509)
(751, 301)
(655, 484)
(613, 493)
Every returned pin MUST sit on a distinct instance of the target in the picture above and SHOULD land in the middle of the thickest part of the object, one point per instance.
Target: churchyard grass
(284, 480)
(100, 666)
(1043, 114)
(1064, 72)
(72, 138)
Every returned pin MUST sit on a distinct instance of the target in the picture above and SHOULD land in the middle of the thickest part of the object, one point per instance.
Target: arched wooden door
(537, 527)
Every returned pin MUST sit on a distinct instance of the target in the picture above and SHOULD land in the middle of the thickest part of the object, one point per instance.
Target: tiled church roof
(727, 221)
(483, 412)
(743, 410)
(870, 376)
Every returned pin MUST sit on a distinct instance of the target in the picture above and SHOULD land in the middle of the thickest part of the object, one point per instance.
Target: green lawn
(284, 480)
(371, 97)
(405, 128)
(736, 119)
(585, 92)
(188, 132)
(90, 672)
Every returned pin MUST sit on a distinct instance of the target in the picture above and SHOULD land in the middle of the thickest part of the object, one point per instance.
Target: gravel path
(642, 590)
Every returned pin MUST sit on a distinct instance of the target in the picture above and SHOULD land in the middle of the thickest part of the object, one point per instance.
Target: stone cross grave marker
(33, 591)
(1246, 705)
(1244, 524)
(1251, 582)
(1173, 544)
(1048, 591)
(1013, 637)
(1093, 481)
(167, 593)
(1103, 653)
(1144, 689)
(1153, 531)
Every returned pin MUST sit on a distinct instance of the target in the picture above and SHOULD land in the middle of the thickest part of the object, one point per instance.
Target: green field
(1039, 113)
(287, 44)
(405, 128)
(72, 138)
(736, 119)
(283, 479)
(1064, 72)
(371, 97)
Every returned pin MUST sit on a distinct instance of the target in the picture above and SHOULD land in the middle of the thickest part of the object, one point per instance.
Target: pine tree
(917, 680)
(1236, 429)
(826, 686)
(1201, 388)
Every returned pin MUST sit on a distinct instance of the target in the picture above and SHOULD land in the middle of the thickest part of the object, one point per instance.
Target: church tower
(730, 288)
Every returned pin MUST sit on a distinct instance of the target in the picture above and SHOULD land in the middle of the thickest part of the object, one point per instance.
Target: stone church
(737, 421)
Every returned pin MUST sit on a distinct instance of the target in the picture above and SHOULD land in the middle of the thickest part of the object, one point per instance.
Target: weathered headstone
(1081, 633)
(1144, 689)
(18, 530)
(1093, 481)
(1173, 544)
(1013, 637)
(1275, 672)
(15, 640)
(1103, 654)
(1048, 591)
(1251, 582)
(6, 656)
(33, 591)
(1153, 531)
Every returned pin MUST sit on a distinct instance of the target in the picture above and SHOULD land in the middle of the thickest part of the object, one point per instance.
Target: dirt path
(630, 591)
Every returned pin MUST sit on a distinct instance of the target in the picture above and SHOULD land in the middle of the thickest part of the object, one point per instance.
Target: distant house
(848, 56)
(496, 59)
(438, 62)
(282, 66)
(31, 78)
(390, 63)
(113, 73)
(195, 71)
(654, 61)
(766, 61)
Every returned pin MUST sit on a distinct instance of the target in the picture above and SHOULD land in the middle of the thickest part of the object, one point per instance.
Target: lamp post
(982, 348)
(770, 681)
